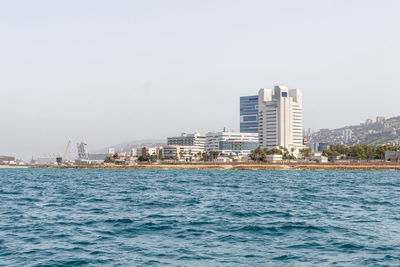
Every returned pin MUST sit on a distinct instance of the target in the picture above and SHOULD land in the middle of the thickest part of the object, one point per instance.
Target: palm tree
(214, 154)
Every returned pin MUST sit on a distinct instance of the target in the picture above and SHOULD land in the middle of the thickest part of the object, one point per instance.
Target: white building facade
(111, 151)
(146, 151)
(234, 143)
(347, 136)
(182, 153)
(280, 119)
(195, 140)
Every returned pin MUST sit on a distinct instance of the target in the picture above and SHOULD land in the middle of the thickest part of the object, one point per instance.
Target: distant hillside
(379, 132)
(127, 146)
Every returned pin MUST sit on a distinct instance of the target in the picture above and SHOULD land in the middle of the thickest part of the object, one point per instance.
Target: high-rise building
(249, 114)
(280, 117)
(308, 132)
(347, 136)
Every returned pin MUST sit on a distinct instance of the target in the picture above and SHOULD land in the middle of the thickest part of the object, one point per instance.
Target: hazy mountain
(380, 131)
(127, 146)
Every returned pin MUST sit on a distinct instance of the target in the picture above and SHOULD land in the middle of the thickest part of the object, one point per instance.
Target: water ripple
(198, 217)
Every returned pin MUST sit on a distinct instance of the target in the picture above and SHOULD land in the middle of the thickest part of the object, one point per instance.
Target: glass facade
(249, 114)
(237, 145)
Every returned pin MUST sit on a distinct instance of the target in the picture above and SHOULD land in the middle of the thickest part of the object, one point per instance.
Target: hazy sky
(114, 71)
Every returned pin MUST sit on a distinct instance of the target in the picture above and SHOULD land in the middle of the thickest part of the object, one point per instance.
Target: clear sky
(114, 71)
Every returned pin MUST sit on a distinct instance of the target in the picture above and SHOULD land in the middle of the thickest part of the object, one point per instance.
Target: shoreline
(13, 167)
(239, 166)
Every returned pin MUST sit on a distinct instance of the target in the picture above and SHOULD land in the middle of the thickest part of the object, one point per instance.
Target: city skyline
(109, 73)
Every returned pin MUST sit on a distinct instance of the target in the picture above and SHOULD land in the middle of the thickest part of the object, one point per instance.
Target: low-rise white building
(182, 153)
(319, 158)
(231, 143)
(111, 151)
(144, 151)
(6, 159)
(273, 158)
(195, 140)
(222, 160)
(134, 152)
(393, 156)
(47, 161)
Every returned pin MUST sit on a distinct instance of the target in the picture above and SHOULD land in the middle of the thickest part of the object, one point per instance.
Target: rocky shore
(243, 166)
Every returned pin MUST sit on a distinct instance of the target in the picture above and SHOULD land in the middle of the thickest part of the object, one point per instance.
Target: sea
(68, 217)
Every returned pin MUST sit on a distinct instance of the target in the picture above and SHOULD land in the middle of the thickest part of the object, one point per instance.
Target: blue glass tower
(249, 114)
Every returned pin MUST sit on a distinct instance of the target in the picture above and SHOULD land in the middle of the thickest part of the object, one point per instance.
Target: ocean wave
(205, 217)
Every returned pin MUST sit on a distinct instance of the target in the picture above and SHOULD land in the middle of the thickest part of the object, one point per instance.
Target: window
(249, 118)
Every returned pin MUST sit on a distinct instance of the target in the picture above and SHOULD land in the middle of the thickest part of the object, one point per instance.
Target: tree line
(359, 151)
(367, 152)
(260, 154)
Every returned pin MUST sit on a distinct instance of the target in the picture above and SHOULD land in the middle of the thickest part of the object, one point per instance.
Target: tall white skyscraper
(280, 119)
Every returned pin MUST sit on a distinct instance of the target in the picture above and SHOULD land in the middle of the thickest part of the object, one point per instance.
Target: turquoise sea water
(199, 217)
